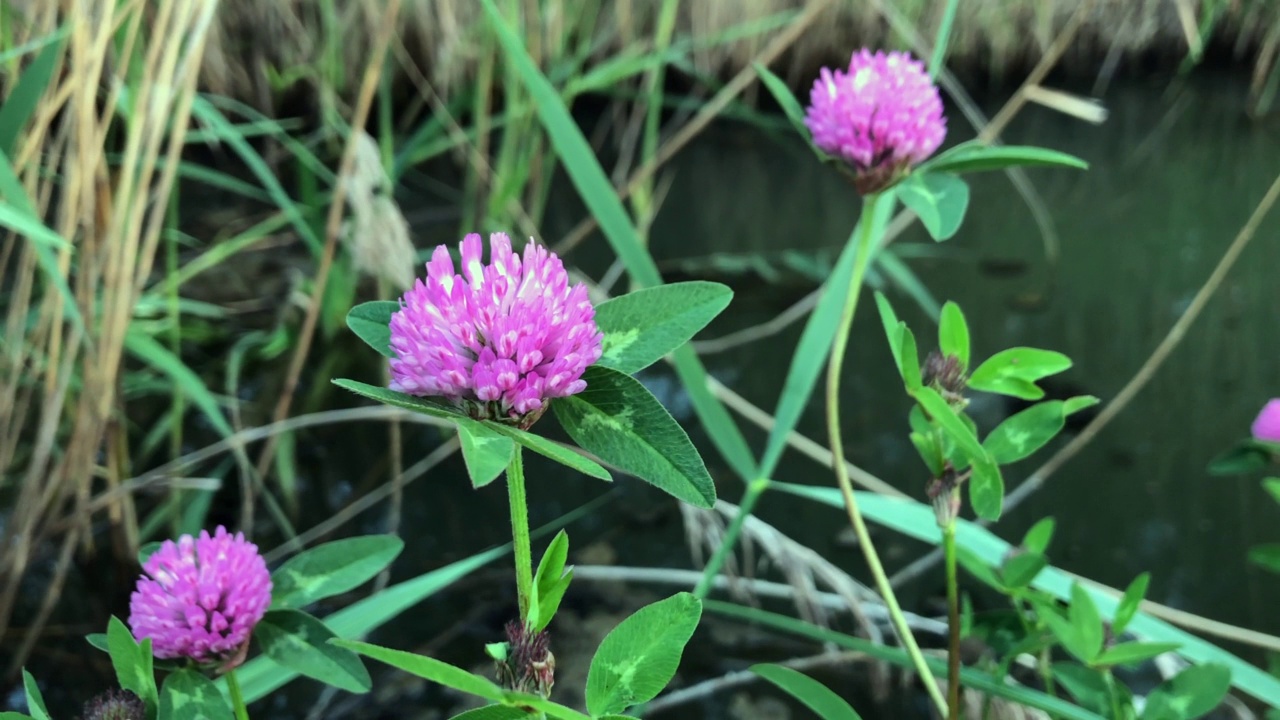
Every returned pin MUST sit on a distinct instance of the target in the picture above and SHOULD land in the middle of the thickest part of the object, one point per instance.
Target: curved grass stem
(953, 621)
(866, 243)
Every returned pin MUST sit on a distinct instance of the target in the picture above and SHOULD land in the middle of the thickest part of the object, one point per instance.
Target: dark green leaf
(641, 327)
(1266, 556)
(975, 157)
(14, 716)
(371, 322)
(551, 581)
(147, 550)
(300, 642)
(1039, 536)
(25, 95)
(986, 487)
(953, 334)
(815, 696)
(1014, 371)
(331, 568)
(1246, 457)
(892, 329)
(939, 199)
(1133, 653)
(98, 640)
(1190, 694)
(428, 668)
(1025, 432)
(1129, 604)
(1086, 685)
(426, 406)
(979, 569)
(1019, 570)
(147, 349)
(639, 657)
(35, 701)
(1084, 617)
(1272, 486)
(620, 421)
(485, 451)
(559, 453)
(910, 360)
(133, 663)
(188, 695)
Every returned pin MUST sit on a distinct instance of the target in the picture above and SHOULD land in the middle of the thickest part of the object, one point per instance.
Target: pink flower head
(500, 341)
(882, 116)
(1267, 425)
(201, 598)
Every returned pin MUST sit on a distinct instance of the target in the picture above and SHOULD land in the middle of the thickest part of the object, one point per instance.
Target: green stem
(953, 621)
(866, 243)
(1115, 697)
(755, 489)
(237, 700)
(520, 532)
(944, 36)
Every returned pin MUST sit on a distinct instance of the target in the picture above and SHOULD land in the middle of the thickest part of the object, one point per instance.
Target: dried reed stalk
(124, 83)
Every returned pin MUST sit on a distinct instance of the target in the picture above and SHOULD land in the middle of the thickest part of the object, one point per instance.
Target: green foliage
(1023, 433)
(641, 327)
(331, 568)
(953, 334)
(551, 581)
(1130, 603)
(133, 664)
(188, 695)
(428, 668)
(637, 659)
(35, 701)
(972, 156)
(1014, 372)
(486, 452)
(939, 199)
(371, 322)
(300, 642)
(1190, 694)
(815, 696)
(1246, 456)
(621, 422)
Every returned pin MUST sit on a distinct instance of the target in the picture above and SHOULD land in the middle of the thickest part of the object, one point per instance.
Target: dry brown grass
(62, 420)
(255, 39)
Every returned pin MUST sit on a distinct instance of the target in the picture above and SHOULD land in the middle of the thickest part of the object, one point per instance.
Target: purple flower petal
(1267, 425)
(498, 340)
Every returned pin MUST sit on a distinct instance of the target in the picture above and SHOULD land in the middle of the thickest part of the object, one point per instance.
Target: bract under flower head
(882, 116)
(1267, 425)
(499, 340)
(201, 598)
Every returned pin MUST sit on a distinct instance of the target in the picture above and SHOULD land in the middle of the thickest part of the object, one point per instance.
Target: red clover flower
(201, 598)
(499, 342)
(882, 116)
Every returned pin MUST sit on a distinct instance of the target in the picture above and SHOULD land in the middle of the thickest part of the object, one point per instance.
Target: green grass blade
(917, 520)
(815, 342)
(601, 198)
(144, 347)
(895, 656)
(18, 106)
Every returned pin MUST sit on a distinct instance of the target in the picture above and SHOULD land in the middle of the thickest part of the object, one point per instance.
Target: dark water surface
(1174, 175)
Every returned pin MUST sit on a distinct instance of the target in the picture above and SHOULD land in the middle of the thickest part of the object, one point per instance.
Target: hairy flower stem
(520, 533)
(953, 621)
(866, 243)
(237, 699)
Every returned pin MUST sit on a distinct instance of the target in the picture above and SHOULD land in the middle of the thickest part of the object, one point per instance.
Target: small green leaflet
(428, 668)
(485, 451)
(300, 642)
(188, 695)
(939, 199)
(953, 334)
(371, 322)
(413, 403)
(638, 658)
(973, 156)
(815, 696)
(35, 701)
(1016, 370)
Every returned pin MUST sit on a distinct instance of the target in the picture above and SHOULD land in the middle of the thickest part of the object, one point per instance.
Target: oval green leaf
(986, 486)
(485, 451)
(642, 326)
(619, 420)
(639, 657)
(939, 199)
(953, 334)
(1133, 653)
(1130, 602)
(300, 642)
(817, 697)
(493, 712)
(35, 701)
(1025, 432)
(188, 695)
(371, 322)
(1014, 371)
(133, 663)
(332, 568)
